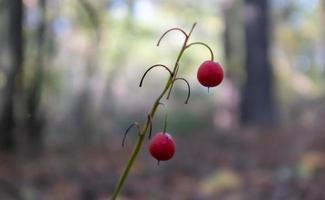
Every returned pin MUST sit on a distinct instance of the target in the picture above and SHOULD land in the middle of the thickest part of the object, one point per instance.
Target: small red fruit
(162, 146)
(210, 74)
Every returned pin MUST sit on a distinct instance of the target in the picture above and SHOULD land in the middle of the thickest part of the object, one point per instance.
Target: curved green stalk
(145, 127)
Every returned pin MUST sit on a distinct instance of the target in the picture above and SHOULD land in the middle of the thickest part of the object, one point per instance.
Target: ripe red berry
(210, 74)
(162, 146)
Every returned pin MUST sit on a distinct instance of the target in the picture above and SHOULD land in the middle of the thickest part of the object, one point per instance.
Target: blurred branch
(94, 18)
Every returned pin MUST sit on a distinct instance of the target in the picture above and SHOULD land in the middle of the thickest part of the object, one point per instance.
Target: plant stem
(139, 142)
(165, 122)
(145, 127)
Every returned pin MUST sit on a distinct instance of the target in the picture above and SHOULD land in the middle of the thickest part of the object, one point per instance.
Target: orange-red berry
(162, 146)
(210, 74)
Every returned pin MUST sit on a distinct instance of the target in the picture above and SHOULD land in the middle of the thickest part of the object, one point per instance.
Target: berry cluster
(162, 145)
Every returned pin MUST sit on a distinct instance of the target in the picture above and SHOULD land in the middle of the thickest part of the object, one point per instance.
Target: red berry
(162, 146)
(210, 74)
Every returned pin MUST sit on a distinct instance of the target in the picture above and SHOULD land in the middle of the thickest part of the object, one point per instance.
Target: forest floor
(243, 164)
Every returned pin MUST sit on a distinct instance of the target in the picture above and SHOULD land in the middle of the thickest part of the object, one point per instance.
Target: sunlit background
(69, 78)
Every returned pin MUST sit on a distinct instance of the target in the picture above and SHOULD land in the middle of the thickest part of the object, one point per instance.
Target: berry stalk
(142, 132)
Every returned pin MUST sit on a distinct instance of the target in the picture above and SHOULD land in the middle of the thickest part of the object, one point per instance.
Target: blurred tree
(3, 26)
(83, 109)
(35, 120)
(257, 104)
(119, 57)
(323, 33)
(13, 76)
(233, 38)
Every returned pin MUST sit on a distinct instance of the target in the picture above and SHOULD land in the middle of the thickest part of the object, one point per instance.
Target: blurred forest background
(69, 75)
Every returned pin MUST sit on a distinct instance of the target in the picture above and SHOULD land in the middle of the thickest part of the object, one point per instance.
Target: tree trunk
(233, 39)
(35, 120)
(322, 16)
(15, 38)
(257, 106)
(227, 31)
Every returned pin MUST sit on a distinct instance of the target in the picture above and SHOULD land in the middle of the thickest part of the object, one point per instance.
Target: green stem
(144, 129)
(165, 122)
(203, 44)
(139, 142)
(128, 166)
